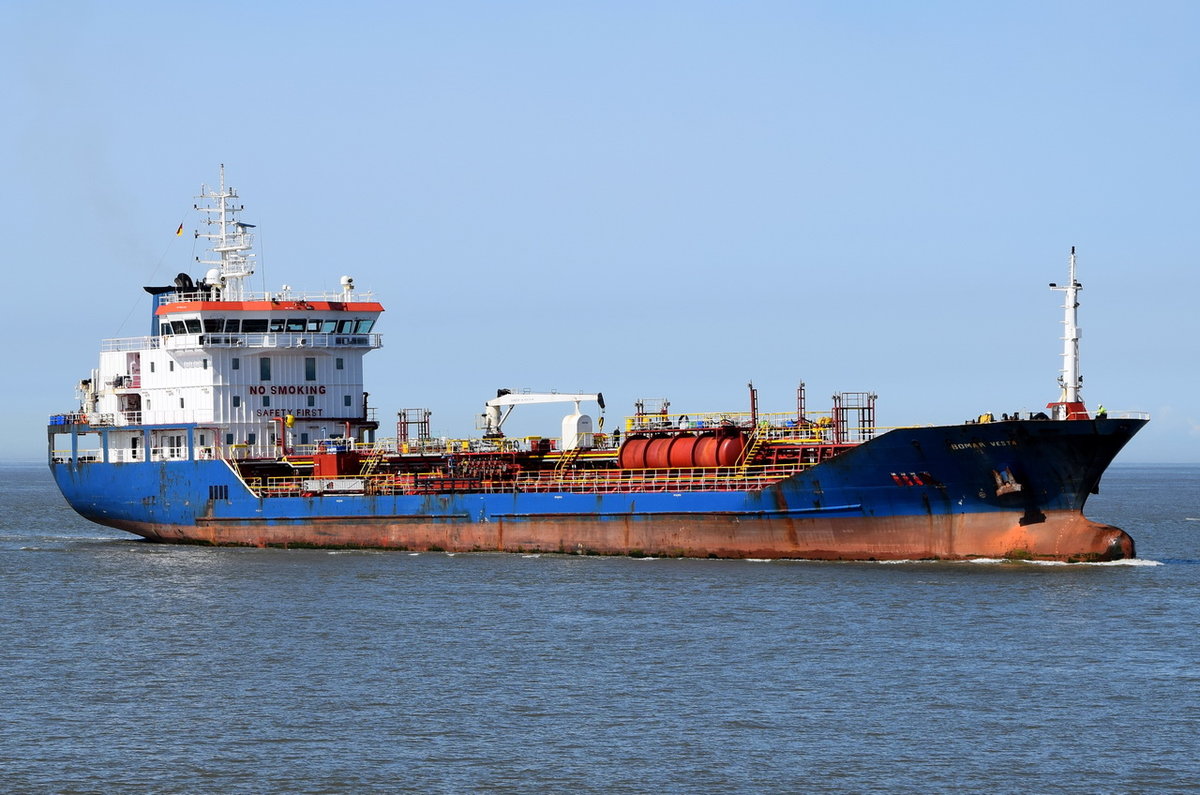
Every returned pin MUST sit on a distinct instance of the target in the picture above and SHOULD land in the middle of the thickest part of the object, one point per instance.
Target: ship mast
(232, 239)
(1070, 400)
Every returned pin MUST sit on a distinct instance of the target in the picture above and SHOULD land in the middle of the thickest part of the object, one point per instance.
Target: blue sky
(645, 199)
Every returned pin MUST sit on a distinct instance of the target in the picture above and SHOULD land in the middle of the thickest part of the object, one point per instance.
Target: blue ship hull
(1014, 488)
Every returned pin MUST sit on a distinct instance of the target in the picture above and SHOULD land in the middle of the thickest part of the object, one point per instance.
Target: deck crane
(576, 427)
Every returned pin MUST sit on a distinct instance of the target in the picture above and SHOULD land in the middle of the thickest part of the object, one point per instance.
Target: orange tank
(682, 451)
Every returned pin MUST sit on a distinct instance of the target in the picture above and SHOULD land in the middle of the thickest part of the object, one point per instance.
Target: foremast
(1070, 400)
(232, 240)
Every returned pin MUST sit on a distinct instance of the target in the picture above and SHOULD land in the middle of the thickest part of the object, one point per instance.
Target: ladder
(751, 450)
(372, 460)
(566, 461)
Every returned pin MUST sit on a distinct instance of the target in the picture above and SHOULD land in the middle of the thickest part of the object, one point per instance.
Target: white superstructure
(226, 372)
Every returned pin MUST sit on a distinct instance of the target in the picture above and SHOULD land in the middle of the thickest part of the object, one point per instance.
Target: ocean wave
(1014, 561)
(1126, 562)
(52, 537)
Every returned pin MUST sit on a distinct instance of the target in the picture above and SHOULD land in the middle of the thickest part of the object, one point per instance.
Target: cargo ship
(241, 418)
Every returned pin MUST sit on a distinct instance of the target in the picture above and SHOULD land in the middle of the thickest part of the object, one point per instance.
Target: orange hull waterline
(1063, 536)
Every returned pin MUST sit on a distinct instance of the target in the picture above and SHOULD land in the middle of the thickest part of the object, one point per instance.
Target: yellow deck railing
(600, 481)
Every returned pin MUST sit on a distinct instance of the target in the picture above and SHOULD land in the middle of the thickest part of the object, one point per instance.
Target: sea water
(133, 667)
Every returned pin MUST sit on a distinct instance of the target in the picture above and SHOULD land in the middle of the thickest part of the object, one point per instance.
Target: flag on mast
(179, 231)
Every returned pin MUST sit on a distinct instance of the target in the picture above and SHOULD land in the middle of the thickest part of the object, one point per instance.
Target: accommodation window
(236, 364)
(229, 438)
(303, 438)
(180, 402)
(264, 368)
(310, 368)
(312, 400)
(171, 366)
(251, 438)
(152, 367)
(204, 364)
(340, 363)
(237, 401)
(346, 400)
(266, 400)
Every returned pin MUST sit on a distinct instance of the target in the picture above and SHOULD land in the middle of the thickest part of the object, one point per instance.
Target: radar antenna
(232, 238)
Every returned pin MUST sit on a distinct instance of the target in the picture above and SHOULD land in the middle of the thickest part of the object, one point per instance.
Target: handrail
(710, 420)
(268, 339)
(112, 419)
(191, 296)
(604, 481)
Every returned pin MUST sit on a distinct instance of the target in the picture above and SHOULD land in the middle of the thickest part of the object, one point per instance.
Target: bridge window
(328, 326)
(233, 325)
(295, 324)
(254, 326)
(313, 325)
(193, 325)
(276, 325)
(345, 326)
(364, 326)
(213, 324)
(164, 328)
(178, 327)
